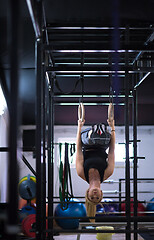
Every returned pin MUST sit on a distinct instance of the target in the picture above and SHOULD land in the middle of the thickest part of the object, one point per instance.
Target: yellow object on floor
(104, 236)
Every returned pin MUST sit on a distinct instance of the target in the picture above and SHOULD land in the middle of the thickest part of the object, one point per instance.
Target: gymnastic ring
(81, 112)
(111, 112)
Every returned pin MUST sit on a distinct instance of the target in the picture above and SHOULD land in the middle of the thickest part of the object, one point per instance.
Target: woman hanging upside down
(94, 165)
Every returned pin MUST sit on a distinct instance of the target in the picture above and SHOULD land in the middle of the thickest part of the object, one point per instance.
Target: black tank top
(95, 158)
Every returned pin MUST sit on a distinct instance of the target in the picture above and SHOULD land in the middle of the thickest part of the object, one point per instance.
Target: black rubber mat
(147, 236)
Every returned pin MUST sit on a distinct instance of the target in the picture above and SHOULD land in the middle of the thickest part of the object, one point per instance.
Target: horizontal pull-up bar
(88, 70)
(51, 27)
(90, 67)
(89, 48)
(90, 96)
(85, 104)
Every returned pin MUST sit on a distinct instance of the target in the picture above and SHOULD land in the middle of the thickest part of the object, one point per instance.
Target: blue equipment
(27, 187)
(74, 209)
(25, 211)
(150, 207)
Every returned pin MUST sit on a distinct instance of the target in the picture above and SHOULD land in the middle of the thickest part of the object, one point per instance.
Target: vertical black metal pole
(39, 153)
(49, 163)
(115, 55)
(135, 154)
(13, 26)
(127, 164)
(120, 195)
(38, 138)
(50, 158)
(39, 129)
(44, 158)
(52, 148)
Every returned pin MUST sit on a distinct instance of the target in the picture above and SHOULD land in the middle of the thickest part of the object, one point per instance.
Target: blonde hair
(91, 207)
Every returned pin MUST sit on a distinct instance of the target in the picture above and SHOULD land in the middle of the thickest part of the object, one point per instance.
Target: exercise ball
(140, 209)
(150, 207)
(110, 206)
(72, 209)
(100, 208)
(107, 208)
(100, 212)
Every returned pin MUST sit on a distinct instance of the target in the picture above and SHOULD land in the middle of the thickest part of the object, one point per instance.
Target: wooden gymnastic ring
(111, 112)
(81, 112)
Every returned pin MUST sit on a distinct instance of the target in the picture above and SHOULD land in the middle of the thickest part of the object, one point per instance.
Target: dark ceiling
(102, 42)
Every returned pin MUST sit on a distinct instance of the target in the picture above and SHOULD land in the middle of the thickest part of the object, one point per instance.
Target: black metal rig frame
(46, 71)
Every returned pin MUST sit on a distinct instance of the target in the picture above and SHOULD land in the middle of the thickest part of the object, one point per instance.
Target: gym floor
(91, 237)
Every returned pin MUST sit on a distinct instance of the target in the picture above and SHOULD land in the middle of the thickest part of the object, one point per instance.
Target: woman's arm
(111, 154)
(79, 153)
